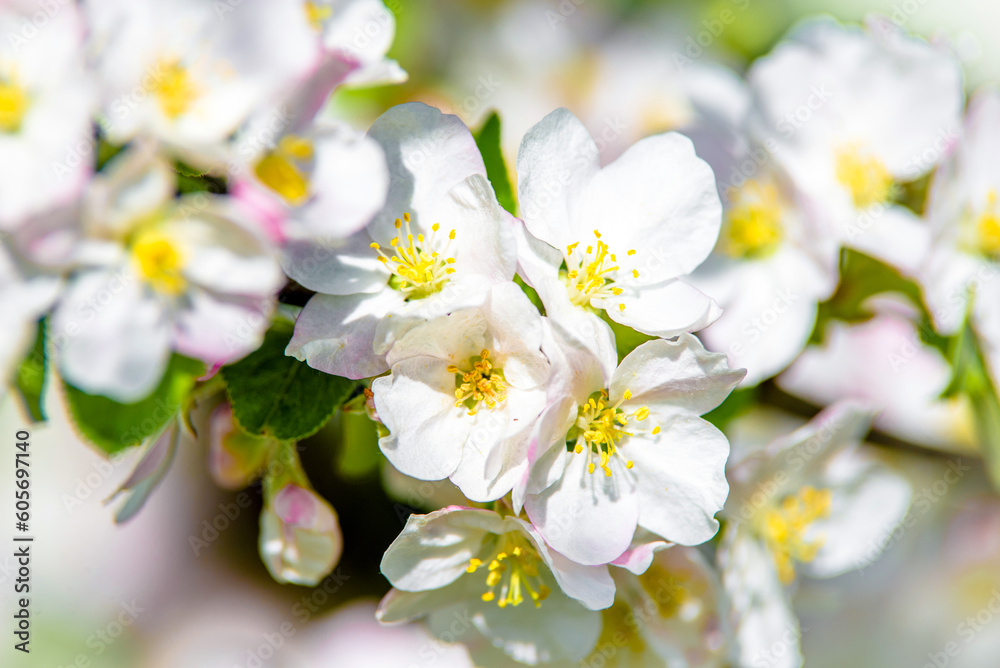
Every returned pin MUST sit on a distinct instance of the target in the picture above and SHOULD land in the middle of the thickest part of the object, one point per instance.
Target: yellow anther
(621, 307)
(159, 262)
(451, 235)
(635, 273)
(642, 414)
(14, 103)
(419, 269)
(374, 245)
(656, 430)
(784, 527)
(397, 223)
(406, 217)
(626, 395)
(173, 87)
(753, 222)
(631, 252)
(863, 174)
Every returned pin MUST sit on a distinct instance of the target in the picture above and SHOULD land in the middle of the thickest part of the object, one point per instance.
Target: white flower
(155, 275)
(497, 573)
(191, 73)
(463, 393)
(774, 260)
(885, 362)
(300, 539)
(964, 214)
(46, 99)
(619, 237)
(357, 34)
(855, 113)
(26, 293)
(317, 181)
(634, 454)
(808, 501)
(439, 244)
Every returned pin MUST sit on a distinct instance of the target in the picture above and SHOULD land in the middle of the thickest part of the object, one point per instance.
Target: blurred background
(182, 584)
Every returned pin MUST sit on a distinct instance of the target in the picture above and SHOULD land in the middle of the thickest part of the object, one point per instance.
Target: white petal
(555, 164)
(335, 266)
(666, 198)
(427, 432)
(665, 310)
(588, 517)
(119, 335)
(681, 477)
(218, 330)
(434, 550)
(335, 333)
(428, 153)
(680, 373)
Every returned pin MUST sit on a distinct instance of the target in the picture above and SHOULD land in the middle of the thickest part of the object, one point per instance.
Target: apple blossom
(617, 238)
(438, 245)
(854, 113)
(633, 454)
(463, 393)
(157, 275)
(808, 501)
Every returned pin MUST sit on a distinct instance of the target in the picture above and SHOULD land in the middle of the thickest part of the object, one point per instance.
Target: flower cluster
(196, 248)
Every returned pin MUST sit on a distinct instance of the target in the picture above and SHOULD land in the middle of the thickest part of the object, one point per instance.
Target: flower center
(783, 528)
(174, 88)
(13, 106)
(863, 174)
(600, 428)
(590, 275)
(988, 227)
(512, 572)
(483, 384)
(280, 169)
(317, 14)
(418, 270)
(159, 263)
(753, 221)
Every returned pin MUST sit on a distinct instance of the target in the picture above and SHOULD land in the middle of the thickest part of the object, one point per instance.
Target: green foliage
(276, 395)
(971, 377)
(358, 455)
(862, 277)
(31, 378)
(488, 141)
(739, 400)
(113, 426)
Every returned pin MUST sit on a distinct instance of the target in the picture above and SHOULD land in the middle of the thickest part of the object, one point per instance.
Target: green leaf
(276, 395)
(31, 378)
(738, 402)
(488, 141)
(113, 426)
(971, 377)
(626, 338)
(862, 277)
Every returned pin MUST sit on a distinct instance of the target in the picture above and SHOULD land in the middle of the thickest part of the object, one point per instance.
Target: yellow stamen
(174, 89)
(316, 14)
(600, 429)
(418, 269)
(863, 174)
(14, 104)
(752, 226)
(483, 384)
(512, 572)
(784, 527)
(159, 263)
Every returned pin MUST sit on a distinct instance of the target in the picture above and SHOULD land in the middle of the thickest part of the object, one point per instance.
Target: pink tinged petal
(588, 517)
(427, 432)
(638, 557)
(434, 550)
(234, 457)
(669, 199)
(678, 373)
(555, 164)
(335, 333)
(218, 329)
(122, 340)
(681, 477)
(270, 214)
(300, 539)
(665, 310)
